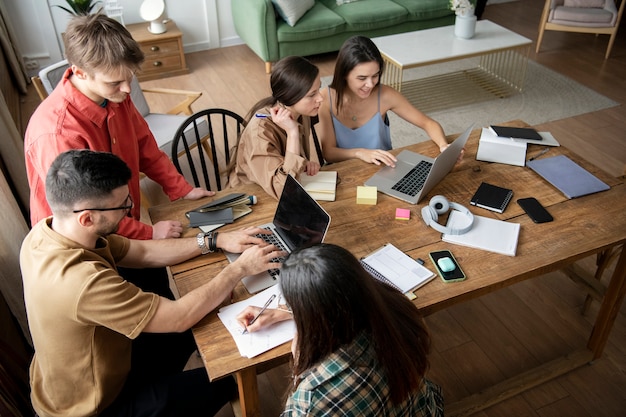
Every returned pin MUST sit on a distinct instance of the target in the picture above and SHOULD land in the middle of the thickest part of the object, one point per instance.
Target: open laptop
(299, 221)
(415, 175)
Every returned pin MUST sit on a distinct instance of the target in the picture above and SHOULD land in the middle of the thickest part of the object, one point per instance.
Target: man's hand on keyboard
(240, 240)
(257, 259)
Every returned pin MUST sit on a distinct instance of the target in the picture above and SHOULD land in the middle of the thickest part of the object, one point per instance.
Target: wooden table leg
(609, 308)
(248, 392)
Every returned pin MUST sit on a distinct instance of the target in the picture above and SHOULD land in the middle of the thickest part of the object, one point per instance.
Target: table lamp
(151, 11)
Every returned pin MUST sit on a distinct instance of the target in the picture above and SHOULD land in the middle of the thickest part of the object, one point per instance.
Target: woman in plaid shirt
(361, 346)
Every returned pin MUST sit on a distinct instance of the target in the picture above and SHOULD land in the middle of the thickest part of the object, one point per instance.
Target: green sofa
(326, 26)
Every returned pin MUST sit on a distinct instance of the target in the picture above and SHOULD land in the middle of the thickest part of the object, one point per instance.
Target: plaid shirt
(350, 382)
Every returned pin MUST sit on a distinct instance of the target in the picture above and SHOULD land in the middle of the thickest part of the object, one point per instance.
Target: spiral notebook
(394, 267)
(491, 197)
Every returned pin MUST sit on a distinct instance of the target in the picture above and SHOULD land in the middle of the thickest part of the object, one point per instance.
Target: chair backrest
(51, 75)
(203, 144)
(139, 100)
(316, 141)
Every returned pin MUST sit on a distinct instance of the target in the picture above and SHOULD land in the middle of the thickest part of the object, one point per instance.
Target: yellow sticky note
(403, 214)
(366, 195)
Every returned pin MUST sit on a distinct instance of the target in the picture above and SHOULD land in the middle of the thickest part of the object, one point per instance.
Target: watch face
(202, 243)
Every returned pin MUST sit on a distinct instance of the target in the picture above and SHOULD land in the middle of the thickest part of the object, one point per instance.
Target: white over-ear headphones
(440, 205)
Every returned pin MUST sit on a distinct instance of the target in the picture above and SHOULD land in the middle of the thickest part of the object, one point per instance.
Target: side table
(164, 52)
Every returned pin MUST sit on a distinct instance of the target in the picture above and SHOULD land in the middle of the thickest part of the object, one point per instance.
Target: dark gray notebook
(566, 175)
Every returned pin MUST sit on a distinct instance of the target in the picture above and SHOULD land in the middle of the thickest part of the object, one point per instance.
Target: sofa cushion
(584, 3)
(579, 16)
(425, 9)
(366, 15)
(318, 22)
(292, 10)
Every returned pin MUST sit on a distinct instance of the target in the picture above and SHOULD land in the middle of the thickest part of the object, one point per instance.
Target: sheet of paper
(255, 343)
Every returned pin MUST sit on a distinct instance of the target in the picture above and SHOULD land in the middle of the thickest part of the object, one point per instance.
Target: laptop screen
(299, 219)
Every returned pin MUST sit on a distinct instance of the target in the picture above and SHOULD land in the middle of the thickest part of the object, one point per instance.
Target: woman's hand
(270, 316)
(459, 159)
(312, 168)
(282, 117)
(376, 156)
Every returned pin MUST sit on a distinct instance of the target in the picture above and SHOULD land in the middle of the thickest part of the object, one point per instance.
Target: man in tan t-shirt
(83, 316)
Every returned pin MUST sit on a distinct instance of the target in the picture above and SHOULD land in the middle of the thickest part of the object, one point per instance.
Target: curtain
(12, 233)
(13, 188)
(8, 45)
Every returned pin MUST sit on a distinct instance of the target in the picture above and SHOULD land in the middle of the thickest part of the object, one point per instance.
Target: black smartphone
(446, 265)
(535, 210)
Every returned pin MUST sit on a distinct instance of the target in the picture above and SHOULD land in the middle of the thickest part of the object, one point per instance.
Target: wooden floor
(486, 340)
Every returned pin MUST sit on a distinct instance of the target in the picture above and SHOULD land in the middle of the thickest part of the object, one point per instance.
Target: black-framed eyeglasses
(128, 204)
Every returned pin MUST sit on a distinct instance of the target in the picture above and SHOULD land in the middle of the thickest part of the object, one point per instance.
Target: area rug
(547, 96)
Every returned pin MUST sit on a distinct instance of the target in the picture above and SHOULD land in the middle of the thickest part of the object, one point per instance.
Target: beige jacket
(262, 159)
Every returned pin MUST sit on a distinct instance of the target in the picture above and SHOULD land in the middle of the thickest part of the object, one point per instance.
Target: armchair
(163, 126)
(583, 16)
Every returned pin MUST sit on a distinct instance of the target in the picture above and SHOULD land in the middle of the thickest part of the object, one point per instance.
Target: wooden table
(580, 229)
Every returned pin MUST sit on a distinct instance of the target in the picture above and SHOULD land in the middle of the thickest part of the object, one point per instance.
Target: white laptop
(415, 175)
(299, 221)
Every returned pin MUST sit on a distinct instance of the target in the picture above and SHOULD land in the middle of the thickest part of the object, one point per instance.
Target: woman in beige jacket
(277, 139)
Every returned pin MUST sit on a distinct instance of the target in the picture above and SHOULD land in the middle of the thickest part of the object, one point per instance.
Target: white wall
(205, 24)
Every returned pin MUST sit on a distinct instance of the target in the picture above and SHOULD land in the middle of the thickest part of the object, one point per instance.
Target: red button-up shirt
(67, 119)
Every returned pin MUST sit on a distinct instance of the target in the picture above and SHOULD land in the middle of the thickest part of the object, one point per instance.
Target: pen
(267, 304)
(543, 151)
(261, 115)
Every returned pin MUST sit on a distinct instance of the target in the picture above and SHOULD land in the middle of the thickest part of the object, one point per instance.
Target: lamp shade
(151, 11)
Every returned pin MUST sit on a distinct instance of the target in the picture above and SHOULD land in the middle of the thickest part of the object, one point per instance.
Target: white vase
(465, 26)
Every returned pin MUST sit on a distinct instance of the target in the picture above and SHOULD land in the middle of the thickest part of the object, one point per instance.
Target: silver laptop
(415, 175)
(299, 221)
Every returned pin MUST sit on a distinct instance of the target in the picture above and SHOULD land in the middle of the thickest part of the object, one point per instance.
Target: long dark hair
(291, 79)
(354, 51)
(334, 300)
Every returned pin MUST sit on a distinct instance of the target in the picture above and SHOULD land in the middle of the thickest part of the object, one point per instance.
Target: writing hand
(270, 316)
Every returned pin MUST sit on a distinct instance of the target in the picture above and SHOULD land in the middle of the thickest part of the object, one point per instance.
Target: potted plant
(79, 7)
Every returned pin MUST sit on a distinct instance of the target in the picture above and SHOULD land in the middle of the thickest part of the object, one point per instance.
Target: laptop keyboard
(413, 181)
(273, 240)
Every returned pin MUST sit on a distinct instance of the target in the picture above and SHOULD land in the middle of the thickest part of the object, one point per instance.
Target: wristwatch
(202, 244)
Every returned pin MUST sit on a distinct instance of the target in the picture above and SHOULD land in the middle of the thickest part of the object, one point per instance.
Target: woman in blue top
(353, 116)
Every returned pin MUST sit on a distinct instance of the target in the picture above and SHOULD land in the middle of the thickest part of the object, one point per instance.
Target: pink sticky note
(403, 214)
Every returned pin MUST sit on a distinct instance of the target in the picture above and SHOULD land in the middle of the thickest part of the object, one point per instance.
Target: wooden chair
(162, 125)
(203, 145)
(579, 16)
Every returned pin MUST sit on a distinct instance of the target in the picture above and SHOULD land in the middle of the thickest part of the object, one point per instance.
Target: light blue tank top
(375, 134)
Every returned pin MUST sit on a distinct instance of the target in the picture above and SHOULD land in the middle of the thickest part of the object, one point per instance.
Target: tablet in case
(566, 175)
